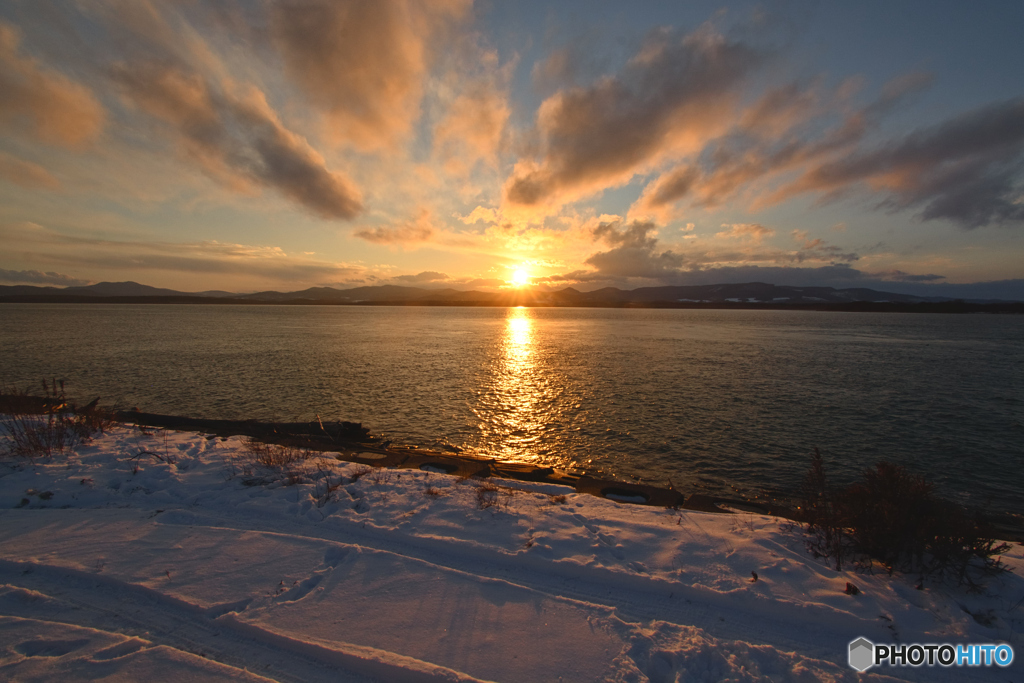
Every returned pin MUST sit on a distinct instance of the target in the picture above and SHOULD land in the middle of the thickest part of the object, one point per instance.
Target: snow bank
(160, 556)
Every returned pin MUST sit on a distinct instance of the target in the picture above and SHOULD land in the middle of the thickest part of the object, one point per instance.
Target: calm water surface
(713, 400)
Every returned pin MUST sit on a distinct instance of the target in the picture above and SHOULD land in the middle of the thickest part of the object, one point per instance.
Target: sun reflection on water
(518, 402)
(519, 335)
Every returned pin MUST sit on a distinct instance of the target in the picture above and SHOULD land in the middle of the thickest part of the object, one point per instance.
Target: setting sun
(520, 278)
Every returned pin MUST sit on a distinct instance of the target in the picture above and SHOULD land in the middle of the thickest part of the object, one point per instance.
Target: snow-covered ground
(167, 556)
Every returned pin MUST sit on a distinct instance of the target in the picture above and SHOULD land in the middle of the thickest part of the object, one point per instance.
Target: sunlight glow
(520, 277)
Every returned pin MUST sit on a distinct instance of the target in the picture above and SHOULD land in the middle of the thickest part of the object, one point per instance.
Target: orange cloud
(362, 63)
(251, 263)
(671, 98)
(26, 173)
(472, 128)
(752, 231)
(419, 229)
(53, 108)
(481, 214)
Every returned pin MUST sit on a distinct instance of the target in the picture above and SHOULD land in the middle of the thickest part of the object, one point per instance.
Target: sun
(520, 277)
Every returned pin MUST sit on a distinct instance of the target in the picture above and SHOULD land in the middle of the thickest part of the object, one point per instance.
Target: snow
(170, 556)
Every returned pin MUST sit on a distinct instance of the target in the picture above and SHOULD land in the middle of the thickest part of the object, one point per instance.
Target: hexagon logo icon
(862, 654)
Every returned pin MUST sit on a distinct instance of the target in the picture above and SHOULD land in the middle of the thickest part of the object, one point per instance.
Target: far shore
(954, 307)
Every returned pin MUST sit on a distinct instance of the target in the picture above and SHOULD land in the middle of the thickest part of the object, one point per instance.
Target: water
(711, 400)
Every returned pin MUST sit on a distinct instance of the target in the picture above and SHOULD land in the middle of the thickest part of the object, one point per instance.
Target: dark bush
(893, 517)
(822, 509)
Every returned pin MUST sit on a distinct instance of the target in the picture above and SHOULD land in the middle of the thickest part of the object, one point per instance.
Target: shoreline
(352, 442)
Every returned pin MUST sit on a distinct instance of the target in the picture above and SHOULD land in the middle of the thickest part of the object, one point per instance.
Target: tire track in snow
(106, 604)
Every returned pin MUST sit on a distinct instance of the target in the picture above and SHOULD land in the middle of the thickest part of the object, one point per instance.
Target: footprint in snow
(49, 648)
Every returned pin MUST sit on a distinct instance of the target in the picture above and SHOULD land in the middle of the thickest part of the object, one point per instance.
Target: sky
(282, 144)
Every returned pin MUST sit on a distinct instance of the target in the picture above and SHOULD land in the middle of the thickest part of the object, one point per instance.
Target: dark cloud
(838, 276)
(38, 277)
(634, 253)
(425, 276)
(236, 138)
(673, 186)
(966, 170)
(834, 275)
(777, 134)
(815, 249)
(669, 98)
(43, 102)
(362, 62)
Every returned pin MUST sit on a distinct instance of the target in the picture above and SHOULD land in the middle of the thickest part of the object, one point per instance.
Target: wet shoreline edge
(352, 442)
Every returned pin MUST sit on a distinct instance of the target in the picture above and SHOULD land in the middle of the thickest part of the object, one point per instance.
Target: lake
(717, 401)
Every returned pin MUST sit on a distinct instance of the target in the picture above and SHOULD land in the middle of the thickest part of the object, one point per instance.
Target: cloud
(966, 170)
(206, 258)
(425, 276)
(485, 282)
(47, 104)
(473, 127)
(659, 196)
(633, 253)
(833, 275)
(37, 277)
(636, 254)
(786, 129)
(237, 139)
(559, 67)
(670, 98)
(419, 229)
(363, 62)
(26, 173)
(752, 231)
(818, 249)
(900, 276)
(481, 214)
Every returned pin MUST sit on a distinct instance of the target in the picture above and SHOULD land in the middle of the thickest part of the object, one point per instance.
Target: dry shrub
(44, 426)
(360, 473)
(381, 476)
(266, 462)
(486, 496)
(893, 517)
(274, 456)
(489, 495)
(325, 484)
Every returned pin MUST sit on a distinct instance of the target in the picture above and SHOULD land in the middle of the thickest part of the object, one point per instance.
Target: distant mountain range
(725, 294)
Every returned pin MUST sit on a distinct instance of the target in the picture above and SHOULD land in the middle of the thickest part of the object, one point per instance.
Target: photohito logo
(864, 654)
